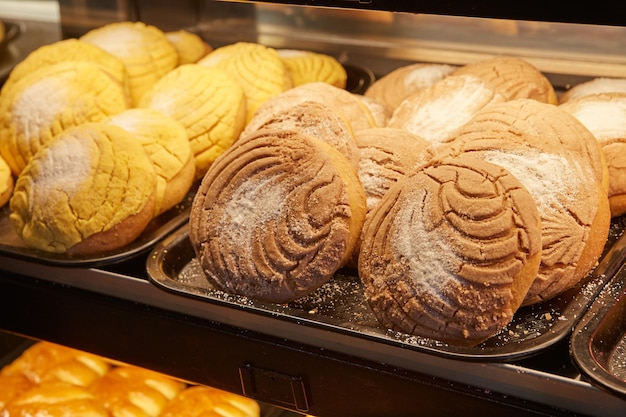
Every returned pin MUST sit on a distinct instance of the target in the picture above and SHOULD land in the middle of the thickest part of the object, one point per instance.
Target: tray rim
(584, 336)
(608, 265)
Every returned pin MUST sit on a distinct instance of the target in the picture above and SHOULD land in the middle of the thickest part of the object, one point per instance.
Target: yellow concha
(306, 67)
(69, 50)
(258, 68)
(208, 102)
(87, 181)
(144, 49)
(45, 102)
(190, 47)
(166, 143)
(6, 182)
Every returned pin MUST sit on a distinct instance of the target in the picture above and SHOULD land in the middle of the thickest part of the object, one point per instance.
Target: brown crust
(276, 216)
(451, 251)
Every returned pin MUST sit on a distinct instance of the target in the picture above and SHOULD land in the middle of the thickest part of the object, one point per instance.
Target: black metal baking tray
(157, 229)
(340, 305)
(598, 343)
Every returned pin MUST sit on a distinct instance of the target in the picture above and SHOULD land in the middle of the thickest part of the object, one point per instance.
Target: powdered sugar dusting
(65, 168)
(31, 113)
(437, 120)
(254, 203)
(551, 179)
(428, 266)
(606, 120)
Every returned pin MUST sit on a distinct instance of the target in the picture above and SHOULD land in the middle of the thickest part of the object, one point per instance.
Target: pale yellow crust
(198, 401)
(90, 190)
(144, 49)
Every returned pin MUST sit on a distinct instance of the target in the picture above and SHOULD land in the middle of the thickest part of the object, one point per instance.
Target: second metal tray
(340, 304)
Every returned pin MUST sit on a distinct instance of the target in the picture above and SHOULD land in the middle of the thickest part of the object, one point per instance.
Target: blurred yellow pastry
(207, 102)
(45, 102)
(144, 49)
(165, 140)
(190, 47)
(259, 70)
(198, 401)
(69, 50)
(307, 67)
(88, 191)
(6, 182)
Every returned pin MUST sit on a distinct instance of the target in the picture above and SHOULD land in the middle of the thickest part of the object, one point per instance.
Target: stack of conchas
(53, 380)
(475, 196)
(101, 134)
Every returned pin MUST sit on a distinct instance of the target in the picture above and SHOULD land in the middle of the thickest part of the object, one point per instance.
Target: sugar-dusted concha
(308, 66)
(276, 216)
(90, 190)
(450, 251)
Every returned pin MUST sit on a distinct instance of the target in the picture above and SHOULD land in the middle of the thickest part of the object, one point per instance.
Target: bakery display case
(325, 354)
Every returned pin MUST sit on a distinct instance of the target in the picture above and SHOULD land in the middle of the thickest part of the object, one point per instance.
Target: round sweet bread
(437, 113)
(402, 82)
(533, 141)
(307, 67)
(132, 391)
(513, 77)
(12, 387)
(341, 101)
(69, 50)
(144, 49)
(276, 216)
(207, 102)
(45, 102)
(166, 143)
(257, 68)
(314, 119)
(190, 47)
(381, 112)
(199, 401)
(594, 86)
(90, 190)
(450, 252)
(604, 114)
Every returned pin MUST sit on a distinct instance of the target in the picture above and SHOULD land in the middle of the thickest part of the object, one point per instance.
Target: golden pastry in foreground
(88, 191)
(198, 401)
(166, 143)
(144, 49)
(403, 82)
(133, 391)
(189, 46)
(56, 400)
(46, 362)
(307, 67)
(207, 102)
(513, 77)
(533, 141)
(276, 216)
(54, 98)
(257, 68)
(450, 251)
(605, 116)
(69, 50)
